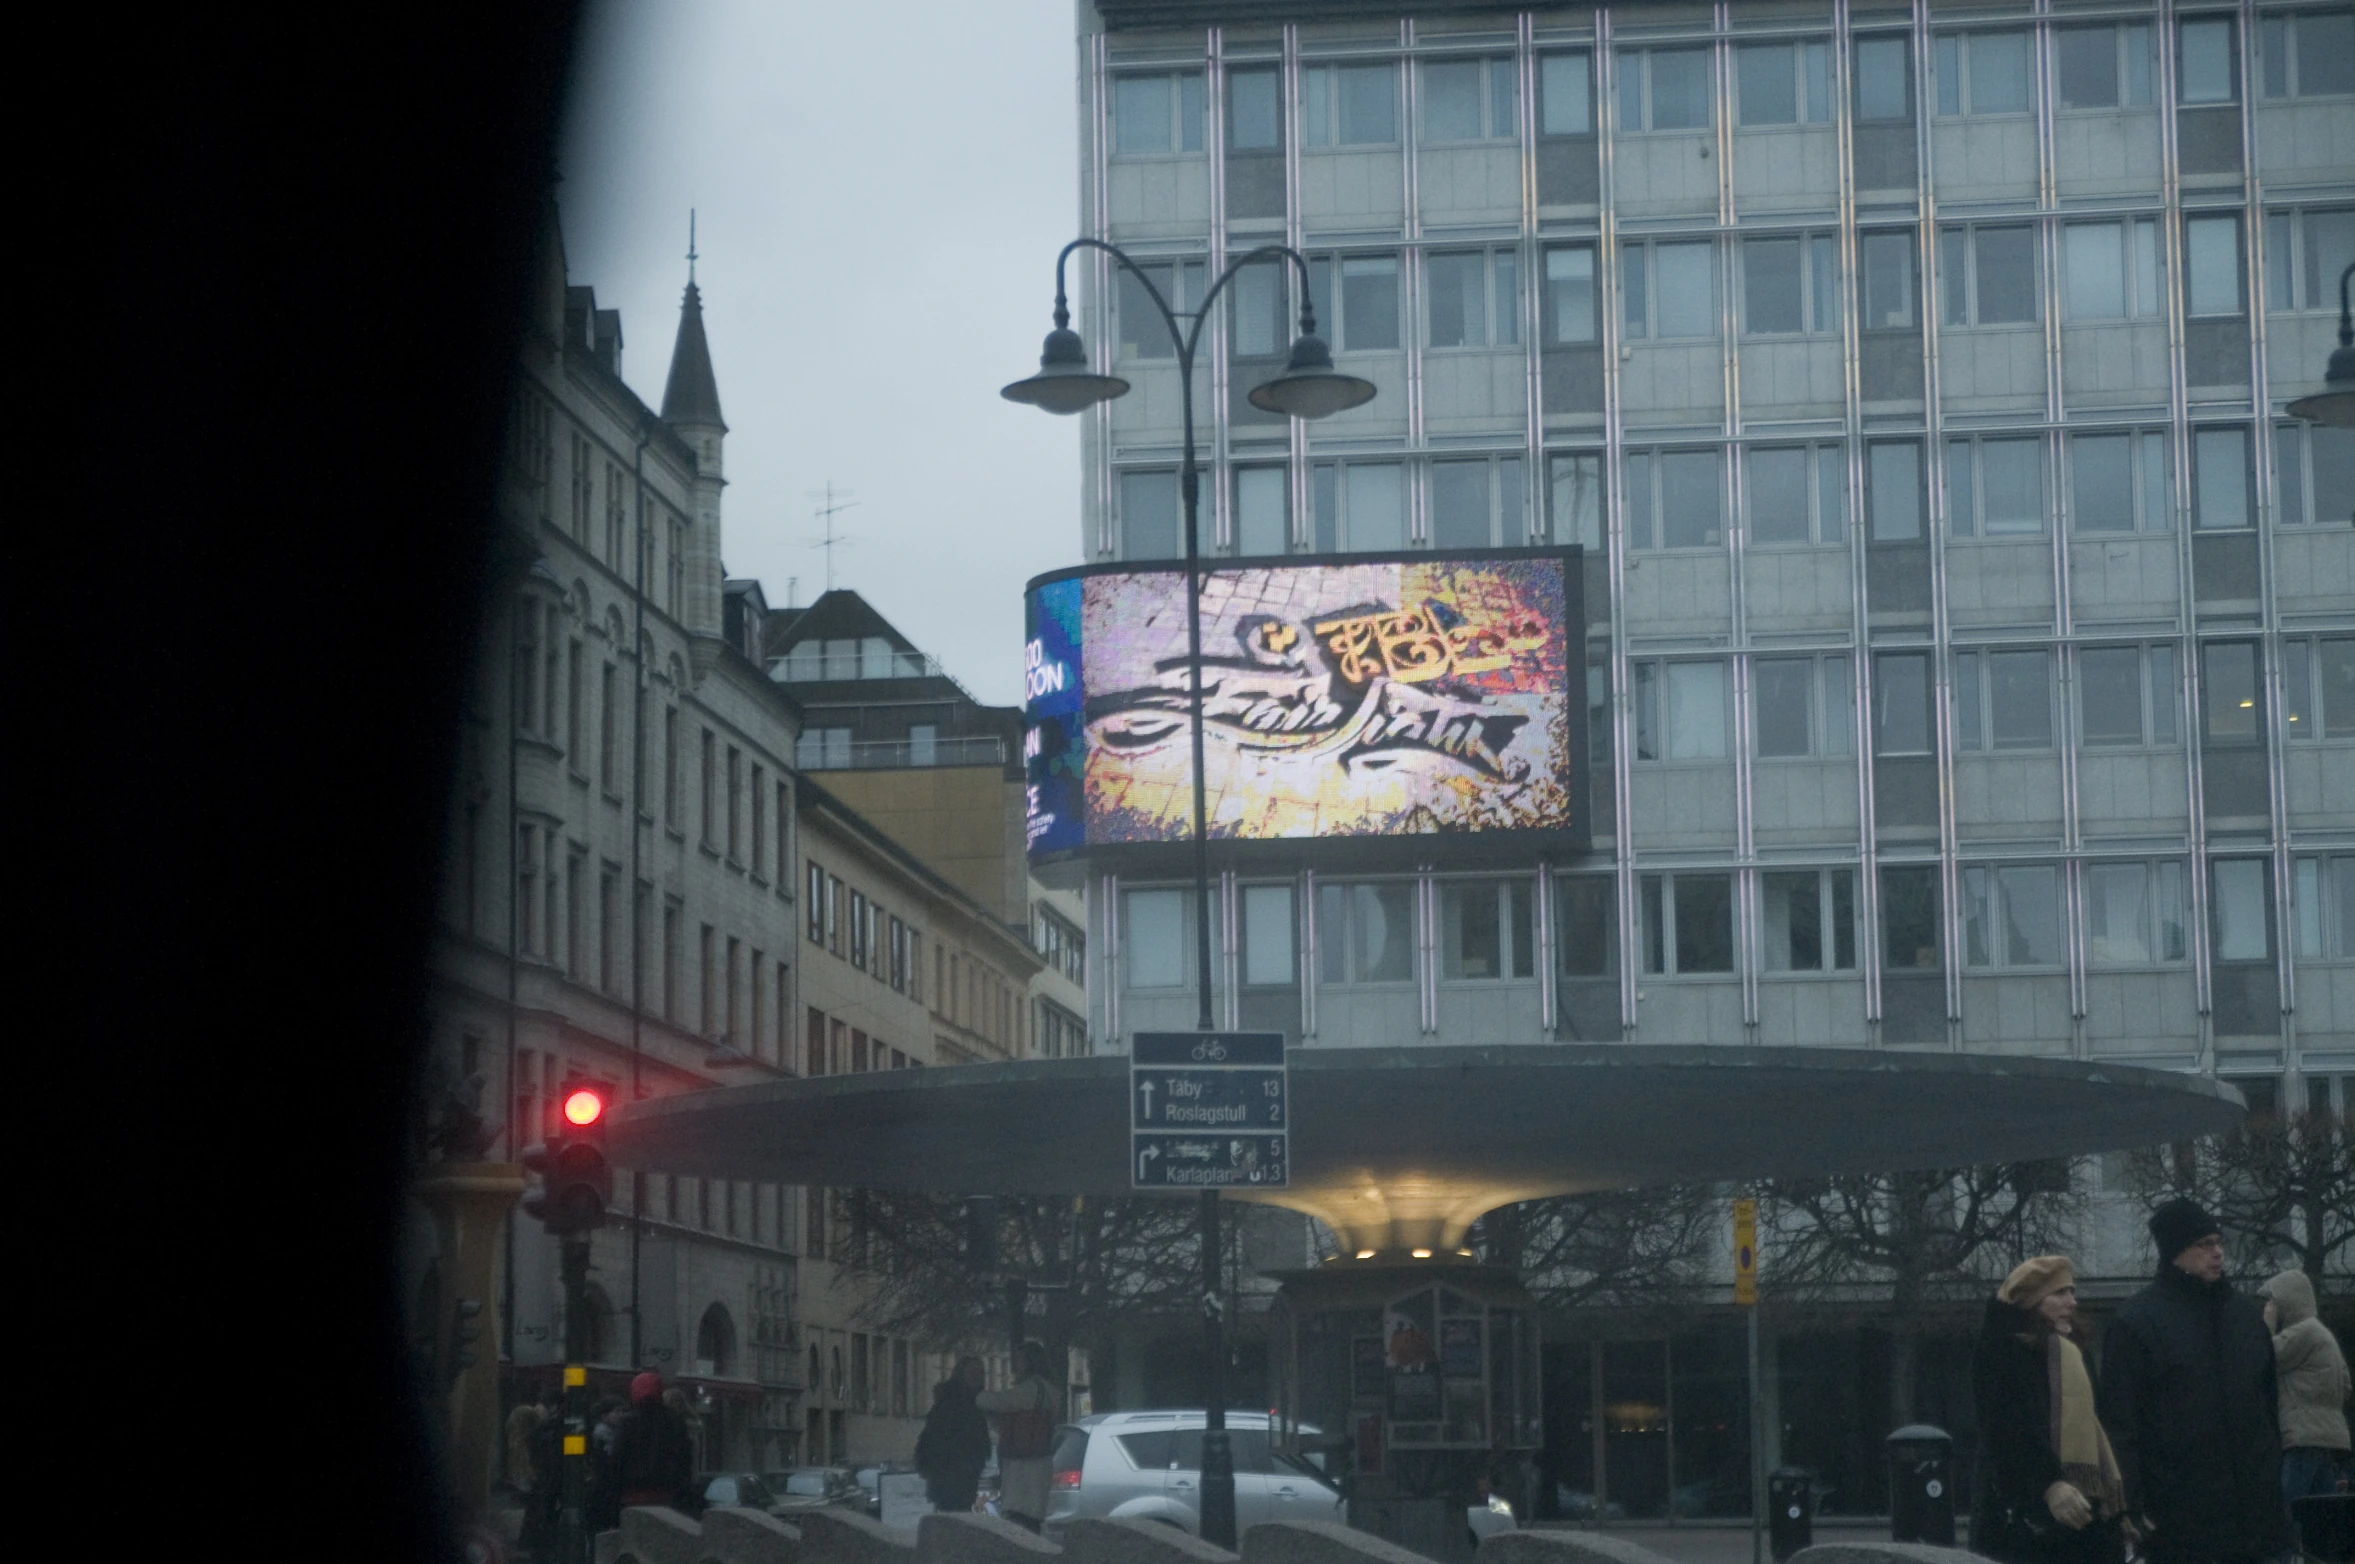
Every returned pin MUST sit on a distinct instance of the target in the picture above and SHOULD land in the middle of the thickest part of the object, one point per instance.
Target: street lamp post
(2335, 403)
(1308, 387)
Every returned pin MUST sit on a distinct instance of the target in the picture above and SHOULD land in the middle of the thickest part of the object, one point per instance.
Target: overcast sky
(880, 196)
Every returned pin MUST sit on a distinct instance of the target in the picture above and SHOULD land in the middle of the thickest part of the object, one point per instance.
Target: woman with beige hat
(2049, 1490)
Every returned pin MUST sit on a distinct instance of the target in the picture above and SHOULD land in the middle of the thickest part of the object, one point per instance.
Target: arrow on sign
(1147, 1088)
(1143, 1157)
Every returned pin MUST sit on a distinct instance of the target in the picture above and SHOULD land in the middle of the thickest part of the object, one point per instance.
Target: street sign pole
(1746, 1297)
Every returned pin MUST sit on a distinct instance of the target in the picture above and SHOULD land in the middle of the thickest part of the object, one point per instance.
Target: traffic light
(576, 1185)
(465, 1337)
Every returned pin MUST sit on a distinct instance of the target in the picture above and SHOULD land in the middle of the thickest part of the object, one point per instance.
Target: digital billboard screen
(1345, 698)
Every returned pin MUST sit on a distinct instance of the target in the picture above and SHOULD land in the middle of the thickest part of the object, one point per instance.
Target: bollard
(1921, 1485)
(1790, 1511)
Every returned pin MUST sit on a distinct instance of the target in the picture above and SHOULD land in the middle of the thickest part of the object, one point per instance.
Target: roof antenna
(690, 247)
(830, 539)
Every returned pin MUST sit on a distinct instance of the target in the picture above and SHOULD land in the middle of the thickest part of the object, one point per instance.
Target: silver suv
(1148, 1466)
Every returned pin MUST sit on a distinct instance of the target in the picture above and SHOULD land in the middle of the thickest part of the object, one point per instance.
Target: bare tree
(1094, 1260)
(1930, 1237)
(1614, 1247)
(2283, 1186)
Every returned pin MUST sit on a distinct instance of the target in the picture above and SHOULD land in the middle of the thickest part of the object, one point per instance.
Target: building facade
(1971, 656)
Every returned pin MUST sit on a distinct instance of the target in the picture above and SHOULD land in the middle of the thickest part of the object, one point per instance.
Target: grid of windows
(1470, 100)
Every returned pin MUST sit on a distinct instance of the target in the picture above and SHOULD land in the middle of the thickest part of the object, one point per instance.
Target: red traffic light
(583, 1106)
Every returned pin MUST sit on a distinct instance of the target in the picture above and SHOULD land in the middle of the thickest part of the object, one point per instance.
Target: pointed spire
(692, 394)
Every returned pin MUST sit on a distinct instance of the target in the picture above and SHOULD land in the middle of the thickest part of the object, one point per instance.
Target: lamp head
(2335, 404)
(1065, 383)
(1310, 387)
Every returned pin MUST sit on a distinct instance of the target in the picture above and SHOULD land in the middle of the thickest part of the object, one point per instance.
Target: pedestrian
(1025, 1412)
(653, 1456)
(523, 1422)
(692, 1421)
(2188, 1396)
(603, 1509)
(954, 1446)
(2050, 1491)
(2314, 1390)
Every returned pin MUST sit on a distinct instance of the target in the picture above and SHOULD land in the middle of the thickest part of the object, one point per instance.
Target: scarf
(2077, 1436)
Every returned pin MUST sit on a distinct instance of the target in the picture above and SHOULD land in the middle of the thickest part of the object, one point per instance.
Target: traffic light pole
(573, 1531)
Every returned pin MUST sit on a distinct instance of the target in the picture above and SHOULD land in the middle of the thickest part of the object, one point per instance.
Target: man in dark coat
(2189, 1399)
(954, 1446)
(653, 1454)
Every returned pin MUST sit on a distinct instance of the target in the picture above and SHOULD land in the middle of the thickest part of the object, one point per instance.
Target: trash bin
(1790, 1511)
(1921, 1485)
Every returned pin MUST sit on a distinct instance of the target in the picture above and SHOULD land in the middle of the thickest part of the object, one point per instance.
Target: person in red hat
(653, 1457)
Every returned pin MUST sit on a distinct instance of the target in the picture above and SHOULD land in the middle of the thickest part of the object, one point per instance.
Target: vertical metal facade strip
(1311, 966)
(1548, 961)
(1615, 526)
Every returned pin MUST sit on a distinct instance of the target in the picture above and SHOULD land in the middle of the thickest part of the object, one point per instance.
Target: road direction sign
(1208, 1110)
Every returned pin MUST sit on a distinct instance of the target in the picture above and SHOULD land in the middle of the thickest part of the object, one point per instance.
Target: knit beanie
(2036, 1280)
(2178, 1225)
(645, 1387)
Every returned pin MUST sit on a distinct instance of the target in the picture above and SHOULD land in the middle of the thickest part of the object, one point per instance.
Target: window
(2307, 54)
(1259, 302)
(527, 888)
(2221, 479)
(1474, 298)
(822, 749)
(1884, 78)
(1986, 275)
(858, 930)
(1263, 510)
(674, 958)
(1688, 923)
(1157, 114)
(2011, 916)
(1349, 105)
(2318, 687)
(1994, 487)
(1783, 83)
(2241, 903)
(1668, 289)
(1673, 499)
(1887, 257)
(2322, 898)
(1157, 938)
(708, 984)
(1367, 317)
(2134, 914)
(2112, 270)
(1803, 706)
(1268, 940)
(1487, 930)
(1470, 100)
(1680, 710)
(1893, 490)
(1574, 499)
(1366, 932)
(2003, 700)
(1901, 703)
(1791, 285)
(1149, 516)
(2127, 695)
(1586, 915)
(2109, 66)
(1565, 94)
(1140, 332)
(1983, 73)
(1255, 122)
(1478, 503)
(1359, 506)
(2208, 70)
(609, 928)
(2212, 265)
(2305, 250)
(1663, 89)
(1809, 922)
(575, 716)
(1910, 919)
(1796, 493)
(2120, 482)
(2229, 713)
(608, 730)
(1571, 305)
(735, 802)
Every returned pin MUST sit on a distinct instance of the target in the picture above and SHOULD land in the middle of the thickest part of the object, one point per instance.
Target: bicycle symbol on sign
(1210, 1050)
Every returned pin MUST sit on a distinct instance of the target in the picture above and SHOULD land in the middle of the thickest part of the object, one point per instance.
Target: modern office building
(1971, 633)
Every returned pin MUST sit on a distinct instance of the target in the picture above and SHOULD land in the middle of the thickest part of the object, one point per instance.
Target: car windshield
(814, 1483)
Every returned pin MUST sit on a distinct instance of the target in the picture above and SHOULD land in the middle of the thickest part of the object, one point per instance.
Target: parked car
(812, 1488)
(870, 1481)
(733, 1488)
(1148, 1466)
(1578, 1504)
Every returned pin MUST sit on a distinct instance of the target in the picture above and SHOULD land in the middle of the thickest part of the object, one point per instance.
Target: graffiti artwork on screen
(1391, 697)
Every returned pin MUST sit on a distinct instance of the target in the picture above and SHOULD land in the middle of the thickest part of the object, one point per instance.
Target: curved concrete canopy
(1402, 1147)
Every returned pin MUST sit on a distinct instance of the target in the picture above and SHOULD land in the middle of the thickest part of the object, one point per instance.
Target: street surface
(1713, 1544)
